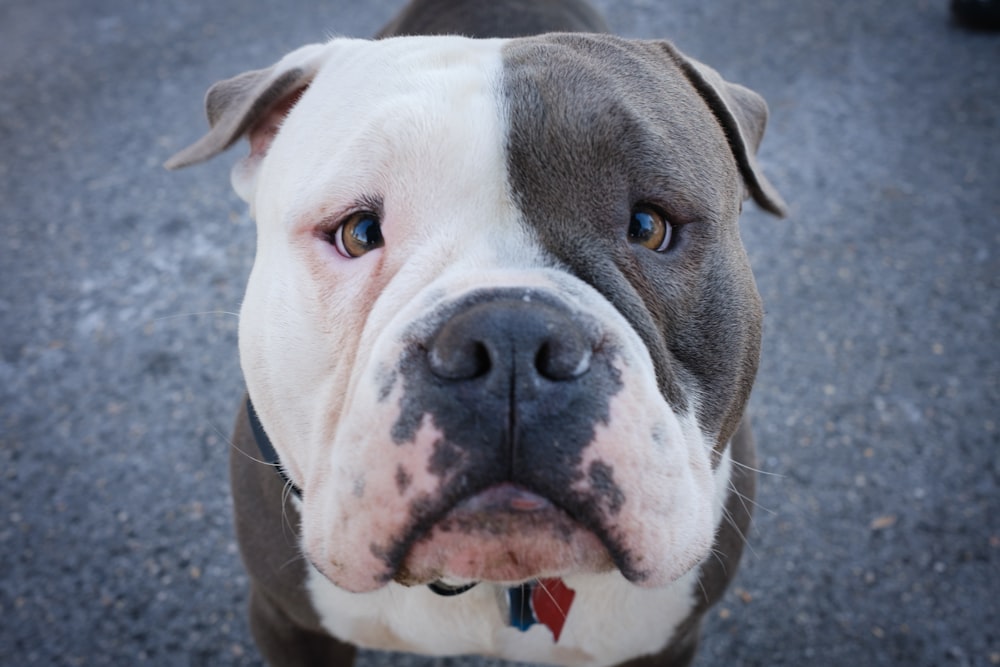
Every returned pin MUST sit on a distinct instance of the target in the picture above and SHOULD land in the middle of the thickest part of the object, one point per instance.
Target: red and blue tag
(545, 601)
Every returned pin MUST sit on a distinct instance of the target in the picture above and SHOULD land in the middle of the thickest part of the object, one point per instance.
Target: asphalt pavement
(877, 405)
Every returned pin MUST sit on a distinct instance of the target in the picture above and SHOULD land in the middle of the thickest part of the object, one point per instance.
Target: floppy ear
(252, 104)
(743, 115)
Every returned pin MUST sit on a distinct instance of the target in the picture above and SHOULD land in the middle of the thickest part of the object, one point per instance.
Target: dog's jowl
(498, 339)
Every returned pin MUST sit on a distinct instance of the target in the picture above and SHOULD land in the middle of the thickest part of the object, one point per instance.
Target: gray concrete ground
(878, 537)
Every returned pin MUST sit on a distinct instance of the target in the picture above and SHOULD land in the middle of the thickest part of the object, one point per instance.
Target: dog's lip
(504, 497)
(507, 524)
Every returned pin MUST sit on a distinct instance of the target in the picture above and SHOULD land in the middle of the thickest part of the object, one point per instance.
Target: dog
(498, 338)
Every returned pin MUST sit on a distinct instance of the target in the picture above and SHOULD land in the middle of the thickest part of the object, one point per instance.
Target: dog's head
(500, 324)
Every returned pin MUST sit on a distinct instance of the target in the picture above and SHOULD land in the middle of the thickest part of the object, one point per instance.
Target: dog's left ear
(252, 104)
(743, 116)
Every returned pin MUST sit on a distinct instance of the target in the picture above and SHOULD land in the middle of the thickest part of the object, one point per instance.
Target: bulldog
(498, 338)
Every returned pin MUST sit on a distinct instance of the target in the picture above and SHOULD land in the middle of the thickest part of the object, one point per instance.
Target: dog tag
(551, 599)
(546, 601)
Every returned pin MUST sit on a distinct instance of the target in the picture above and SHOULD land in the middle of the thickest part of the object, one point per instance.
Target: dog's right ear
(252, 104)
(742, 114)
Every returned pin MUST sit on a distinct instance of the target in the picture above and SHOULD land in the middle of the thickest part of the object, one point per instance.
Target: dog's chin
(504, 534)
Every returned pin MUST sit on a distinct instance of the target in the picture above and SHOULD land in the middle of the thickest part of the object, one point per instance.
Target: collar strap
(267, 452)
(447, 591)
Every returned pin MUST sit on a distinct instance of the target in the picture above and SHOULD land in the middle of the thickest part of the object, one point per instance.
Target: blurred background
(877, 539)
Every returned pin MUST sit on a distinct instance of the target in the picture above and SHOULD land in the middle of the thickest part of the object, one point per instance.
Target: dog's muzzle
(515, 382)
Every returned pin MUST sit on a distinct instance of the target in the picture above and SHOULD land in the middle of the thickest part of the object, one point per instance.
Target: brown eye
(649, 228)
(361, 232)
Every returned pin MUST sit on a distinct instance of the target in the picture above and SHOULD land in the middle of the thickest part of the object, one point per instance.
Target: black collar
(267, 452)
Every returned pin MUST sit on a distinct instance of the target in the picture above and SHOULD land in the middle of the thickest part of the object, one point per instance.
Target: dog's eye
(649, 228)
(361, 232)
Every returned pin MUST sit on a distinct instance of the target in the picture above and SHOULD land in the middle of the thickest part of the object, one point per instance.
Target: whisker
(552, 598)
(745, 499)
(136, 325)
(704, 593)
(286, 493)
(728, 518)
(757, 470)
(177, 316)
(232, 445)
(299, 558)
(720, 557)
(246, 454)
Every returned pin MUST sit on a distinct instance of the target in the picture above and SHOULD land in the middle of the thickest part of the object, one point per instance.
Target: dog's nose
(518, 337)
(514, 383)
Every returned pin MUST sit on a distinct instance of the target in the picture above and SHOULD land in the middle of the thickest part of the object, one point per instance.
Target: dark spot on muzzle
(385, 380)
(603, 486)
(403, 479)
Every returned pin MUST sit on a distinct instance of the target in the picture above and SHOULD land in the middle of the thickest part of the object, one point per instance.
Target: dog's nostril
(525, 339)
(563, 358)
(459, 360)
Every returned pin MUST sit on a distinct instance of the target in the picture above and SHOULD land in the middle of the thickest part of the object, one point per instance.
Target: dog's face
(500, 324)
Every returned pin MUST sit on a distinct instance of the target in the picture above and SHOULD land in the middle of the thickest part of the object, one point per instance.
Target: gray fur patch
(598, 126)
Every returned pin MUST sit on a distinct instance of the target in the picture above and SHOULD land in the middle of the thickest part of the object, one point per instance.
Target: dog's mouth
(505, 534)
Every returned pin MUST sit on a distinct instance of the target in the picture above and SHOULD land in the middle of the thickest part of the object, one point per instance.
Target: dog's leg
(284, 643)
(679, 653)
